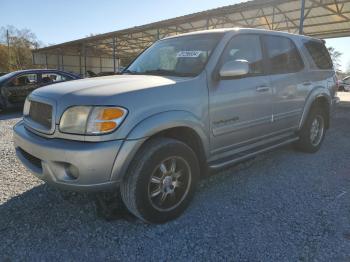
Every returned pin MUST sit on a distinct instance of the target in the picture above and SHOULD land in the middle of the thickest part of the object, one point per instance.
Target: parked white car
(344, 84)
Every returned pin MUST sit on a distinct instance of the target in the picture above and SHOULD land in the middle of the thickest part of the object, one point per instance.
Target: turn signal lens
(105, 119)
(111, 113)
(106, 126)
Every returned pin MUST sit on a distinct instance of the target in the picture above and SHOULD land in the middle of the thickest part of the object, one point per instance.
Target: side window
(246, 47)
(319, 54)
(283, 55)
(24, 80)
(48, 78)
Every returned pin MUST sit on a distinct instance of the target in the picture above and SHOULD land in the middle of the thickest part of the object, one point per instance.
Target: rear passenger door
(289, 81)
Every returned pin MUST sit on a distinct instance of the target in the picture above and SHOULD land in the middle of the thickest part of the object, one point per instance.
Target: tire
(161, 180)
(310, 136)
(3, 103)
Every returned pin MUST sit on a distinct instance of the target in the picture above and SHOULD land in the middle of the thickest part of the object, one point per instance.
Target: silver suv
(187, 105)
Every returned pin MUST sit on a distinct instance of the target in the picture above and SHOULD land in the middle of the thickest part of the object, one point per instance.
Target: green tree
(19, 55)
(3, 58)
(335, 55)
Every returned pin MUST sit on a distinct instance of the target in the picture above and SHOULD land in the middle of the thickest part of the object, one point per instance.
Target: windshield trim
(220, 34)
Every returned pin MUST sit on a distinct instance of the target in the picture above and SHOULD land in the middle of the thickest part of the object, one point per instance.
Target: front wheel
(161, 181)
(313, 131)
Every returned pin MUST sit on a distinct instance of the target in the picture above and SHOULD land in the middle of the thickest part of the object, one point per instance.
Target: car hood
(143, 96)
(101, 88)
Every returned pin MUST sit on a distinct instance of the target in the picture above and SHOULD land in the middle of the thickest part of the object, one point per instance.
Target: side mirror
(234, 69)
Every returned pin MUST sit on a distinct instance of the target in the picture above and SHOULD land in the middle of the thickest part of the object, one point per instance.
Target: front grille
(41, 113)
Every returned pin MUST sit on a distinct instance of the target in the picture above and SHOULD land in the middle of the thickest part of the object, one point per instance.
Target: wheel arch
(180, 125)
(191, 138)
(319, 98)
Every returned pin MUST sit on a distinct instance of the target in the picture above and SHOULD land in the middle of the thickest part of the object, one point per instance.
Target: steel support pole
(114, 55)
(46, 62)
(8, 50)
(80, 69)
(58, 61)
(62, 62)
(85, 67)
(302, 14)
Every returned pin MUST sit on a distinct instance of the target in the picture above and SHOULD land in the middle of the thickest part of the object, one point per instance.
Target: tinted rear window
(283, 55)
(319, 54)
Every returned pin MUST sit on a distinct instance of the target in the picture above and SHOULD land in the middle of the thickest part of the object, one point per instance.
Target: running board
(217, 166)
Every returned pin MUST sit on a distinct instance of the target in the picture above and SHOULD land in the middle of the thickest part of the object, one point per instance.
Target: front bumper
(71, 165)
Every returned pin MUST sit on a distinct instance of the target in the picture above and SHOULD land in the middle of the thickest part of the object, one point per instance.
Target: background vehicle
(188, 104)
(344, 85)
(104, 73)
(15, 86)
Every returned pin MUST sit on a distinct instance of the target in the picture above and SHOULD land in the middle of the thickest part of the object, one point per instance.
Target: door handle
(262, 89)
(307, 83)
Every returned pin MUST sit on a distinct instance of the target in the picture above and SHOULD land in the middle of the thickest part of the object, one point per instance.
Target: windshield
(7, 76)
(179, 56)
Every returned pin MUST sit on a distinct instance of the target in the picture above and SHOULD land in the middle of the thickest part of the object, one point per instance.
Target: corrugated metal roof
(323, 19)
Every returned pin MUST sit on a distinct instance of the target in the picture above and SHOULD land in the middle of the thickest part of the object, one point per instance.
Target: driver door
(241, 108)
(19, 87)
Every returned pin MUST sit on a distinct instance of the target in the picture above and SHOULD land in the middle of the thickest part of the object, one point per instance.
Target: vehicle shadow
(10, 114)
(44, 205)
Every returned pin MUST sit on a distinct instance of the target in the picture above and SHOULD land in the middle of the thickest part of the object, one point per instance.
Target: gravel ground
(280, 206)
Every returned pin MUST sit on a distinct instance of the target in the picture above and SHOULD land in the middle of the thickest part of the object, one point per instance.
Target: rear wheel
(2, 104)
(313, 131)
(161, 181)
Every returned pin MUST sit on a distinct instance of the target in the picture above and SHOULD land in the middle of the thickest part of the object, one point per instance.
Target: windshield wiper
(163, 72)
(158, 72)
(127, 71)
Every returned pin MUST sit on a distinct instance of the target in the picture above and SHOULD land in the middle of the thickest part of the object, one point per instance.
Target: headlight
(89, 120)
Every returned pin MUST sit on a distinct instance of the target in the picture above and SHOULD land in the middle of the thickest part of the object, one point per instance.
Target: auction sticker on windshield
(193, 54)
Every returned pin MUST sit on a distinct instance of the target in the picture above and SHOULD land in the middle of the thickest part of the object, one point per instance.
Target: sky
(55, 22)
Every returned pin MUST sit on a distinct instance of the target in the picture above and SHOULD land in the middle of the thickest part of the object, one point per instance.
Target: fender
(315, 93)
(166, 120)
(151, 126)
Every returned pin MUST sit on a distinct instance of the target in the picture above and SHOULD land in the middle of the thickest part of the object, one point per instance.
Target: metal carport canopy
(318, 18)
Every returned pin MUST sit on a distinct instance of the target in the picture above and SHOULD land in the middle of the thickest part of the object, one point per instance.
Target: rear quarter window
(283, 55)
(319, 54)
